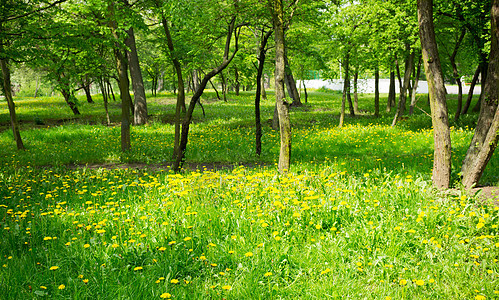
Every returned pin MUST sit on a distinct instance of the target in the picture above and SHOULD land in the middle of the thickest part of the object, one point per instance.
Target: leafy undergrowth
(242, 234)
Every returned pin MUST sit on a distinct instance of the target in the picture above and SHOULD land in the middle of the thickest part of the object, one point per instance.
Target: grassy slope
(355, 218)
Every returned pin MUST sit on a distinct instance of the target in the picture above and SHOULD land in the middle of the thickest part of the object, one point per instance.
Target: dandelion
(479, 297)
(174, 281)
(85, 281)
(403, 282)
(137, 268)
(86, 246)
(267, 274)
(115, 245)
(248, 254)
(62, 286)
(53, 268)
(162, 249)
(187, 239)
(165, 296)
(419, 282)
(226, 287)
(325, 271)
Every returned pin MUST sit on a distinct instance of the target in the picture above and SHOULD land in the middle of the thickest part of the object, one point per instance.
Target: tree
(281, 104)
(486, 134)
(436, 89)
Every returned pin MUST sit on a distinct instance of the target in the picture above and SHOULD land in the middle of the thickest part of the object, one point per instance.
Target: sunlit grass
(356, 217)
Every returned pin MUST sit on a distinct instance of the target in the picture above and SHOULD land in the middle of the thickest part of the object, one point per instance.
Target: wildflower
(403, 282)
(162, 249)
(226, 287)
(85, 280)
(479, 297)
(248, 254)
(165, 296)
(187, 239)
(53, 268)
(325, 271)
(62, 286)
(115, 245)
(267, 274)
(43, 287)
(174, 281)
(86, 246)
(419, 282)
(137, 268)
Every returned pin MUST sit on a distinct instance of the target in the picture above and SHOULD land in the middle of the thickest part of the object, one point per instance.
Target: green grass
(356, 217)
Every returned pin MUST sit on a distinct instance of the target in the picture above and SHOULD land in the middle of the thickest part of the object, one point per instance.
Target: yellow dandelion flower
(137, 268)
(419, 282)
(226, 287)
(187, 239)
(248, 254)
(174, 281)
(61, 287)
(53, 268)
(326, 271)
(479, 297)
(267, 274)
(403, 282)
(165, 296)
(86, 246)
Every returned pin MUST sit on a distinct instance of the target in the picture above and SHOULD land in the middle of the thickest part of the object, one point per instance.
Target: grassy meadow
(355, 218)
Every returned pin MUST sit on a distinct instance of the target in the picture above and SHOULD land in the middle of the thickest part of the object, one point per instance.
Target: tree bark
(139, 93)
(483, 79)
(7, 91)
(85, 85)
(455, 72)
(125, 100)
(346, 88)
(376, 91)
(180, 106)
(415, 87)
(436, 88)
(470, 93)
(405, 86)
(177, 164)
(69, 98)
(486, 135)
(237, 86)
(281, 104)
(355, 91)
(291, 83)
(261, 60)
(391, 92)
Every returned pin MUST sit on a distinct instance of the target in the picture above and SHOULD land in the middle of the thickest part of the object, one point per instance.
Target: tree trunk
(69, 98)
(85, 85)
(305, 91)
(455, 72)
(403, 90)
(376, 91)
(105, 96)
(346, 84)
(486, 134)
(282, 105)
(483, 79)
(355, 91)
(37, 86)
(415, 87)
(7, 91)
(111, 89)
(214, 88)
(259, 84)
(125, 99)
(472, 88)
(291, 83)
(177, 164)
(346, 87)
(180, 106)
(391, 92)
(224, 86)
(237, 86)
(262, 84)
(139, 93)
(436, 88)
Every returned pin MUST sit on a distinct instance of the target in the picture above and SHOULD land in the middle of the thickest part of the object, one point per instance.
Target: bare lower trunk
(436, 89)
(391, 92)
(86, 87)
(376, 91)
(415, 87)
(105, 97)
(355, 91)
(139, 93)
(70, 99)
(470, 93)
(486, 135)
(7, 91)
(405, 86)
(346, 89)
(457, 78)
(291, 83)
(259, 85)
(125, 100)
